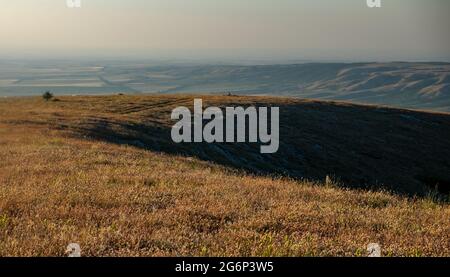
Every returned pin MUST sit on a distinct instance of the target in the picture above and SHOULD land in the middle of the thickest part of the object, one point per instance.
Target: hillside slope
(100, 171)
(362, 146)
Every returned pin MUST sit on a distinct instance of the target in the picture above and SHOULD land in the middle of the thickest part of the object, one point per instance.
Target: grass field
(97, 171)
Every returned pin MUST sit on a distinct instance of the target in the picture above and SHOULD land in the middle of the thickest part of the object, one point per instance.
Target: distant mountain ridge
(399, 84)
(408, 85)
(420, 86)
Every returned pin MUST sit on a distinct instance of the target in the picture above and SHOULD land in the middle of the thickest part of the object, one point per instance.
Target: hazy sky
(270, 29)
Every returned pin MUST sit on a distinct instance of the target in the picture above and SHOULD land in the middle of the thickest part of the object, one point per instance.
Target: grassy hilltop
(101, 171)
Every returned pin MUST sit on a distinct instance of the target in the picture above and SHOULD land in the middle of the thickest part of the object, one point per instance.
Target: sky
(406, 30)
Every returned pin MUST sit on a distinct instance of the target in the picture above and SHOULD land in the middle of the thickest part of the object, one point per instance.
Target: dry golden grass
(118, 200)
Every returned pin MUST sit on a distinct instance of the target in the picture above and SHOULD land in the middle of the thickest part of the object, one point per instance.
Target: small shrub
(47, 95)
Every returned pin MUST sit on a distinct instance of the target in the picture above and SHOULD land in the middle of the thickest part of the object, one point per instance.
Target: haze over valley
(405, 85)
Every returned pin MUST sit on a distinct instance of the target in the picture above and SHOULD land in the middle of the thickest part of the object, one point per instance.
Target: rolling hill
(101, 171)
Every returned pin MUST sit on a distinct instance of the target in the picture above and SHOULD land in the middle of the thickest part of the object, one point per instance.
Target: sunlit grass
(118, 200)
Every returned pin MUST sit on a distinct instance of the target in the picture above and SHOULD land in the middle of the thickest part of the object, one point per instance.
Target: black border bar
(299, 266)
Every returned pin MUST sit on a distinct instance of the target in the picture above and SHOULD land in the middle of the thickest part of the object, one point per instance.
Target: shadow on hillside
(363, 147)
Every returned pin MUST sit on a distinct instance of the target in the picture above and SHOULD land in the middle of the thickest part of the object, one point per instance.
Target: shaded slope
(362, 146)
